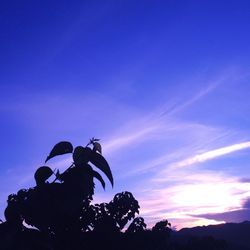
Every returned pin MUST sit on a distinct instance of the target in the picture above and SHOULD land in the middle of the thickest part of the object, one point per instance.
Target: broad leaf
(100, 162)
(60, 148)
(42, 174)
(99, 178)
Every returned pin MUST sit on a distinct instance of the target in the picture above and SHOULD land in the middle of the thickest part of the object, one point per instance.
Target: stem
(63, 172)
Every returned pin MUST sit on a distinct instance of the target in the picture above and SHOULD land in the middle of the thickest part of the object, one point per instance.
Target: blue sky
(164, 84)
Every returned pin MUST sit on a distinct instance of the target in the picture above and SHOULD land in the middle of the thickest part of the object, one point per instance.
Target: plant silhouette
(56, 207)
(63, 217)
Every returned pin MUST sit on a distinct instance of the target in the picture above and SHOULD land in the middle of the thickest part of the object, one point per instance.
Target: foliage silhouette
(162, 226)
(112, 216)
(42, 174)
(62, 214)
(60, 148)
(137, 225)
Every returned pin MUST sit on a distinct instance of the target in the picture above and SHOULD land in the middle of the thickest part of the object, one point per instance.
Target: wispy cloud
(231, 215)
(124, 138)
(208, 88)
(148, 127)
(196, 97)
(211, 154)
(156, 120)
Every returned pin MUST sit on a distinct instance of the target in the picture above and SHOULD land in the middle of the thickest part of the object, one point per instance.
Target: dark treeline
(60, 214)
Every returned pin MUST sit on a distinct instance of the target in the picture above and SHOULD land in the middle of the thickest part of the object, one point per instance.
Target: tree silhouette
(162, 226)
(112, 216)
(137, 225)
(63, 216)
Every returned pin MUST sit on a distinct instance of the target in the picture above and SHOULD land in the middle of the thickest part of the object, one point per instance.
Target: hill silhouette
(235, 234)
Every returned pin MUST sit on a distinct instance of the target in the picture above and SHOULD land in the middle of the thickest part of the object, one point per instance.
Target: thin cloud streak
(129, 138)
(211, 155)
(202, 93)
(153, 121)
(194, 138)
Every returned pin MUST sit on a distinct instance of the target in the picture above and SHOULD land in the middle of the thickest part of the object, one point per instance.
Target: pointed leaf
(99, 178)
(100, 162)
(60, 148)
(97, 147)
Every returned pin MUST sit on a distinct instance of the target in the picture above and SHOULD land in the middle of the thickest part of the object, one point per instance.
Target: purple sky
(164, 84)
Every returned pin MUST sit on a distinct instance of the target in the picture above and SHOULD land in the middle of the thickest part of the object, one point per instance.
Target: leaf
(60, 148)
(99, 178)
(81, 155)
(42, 174)
(100, 162)
(97, 147)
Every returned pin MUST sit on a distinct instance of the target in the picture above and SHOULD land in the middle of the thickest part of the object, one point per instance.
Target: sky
(163, 84)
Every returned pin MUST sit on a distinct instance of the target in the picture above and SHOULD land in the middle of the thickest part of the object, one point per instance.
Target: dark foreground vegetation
(60, 215)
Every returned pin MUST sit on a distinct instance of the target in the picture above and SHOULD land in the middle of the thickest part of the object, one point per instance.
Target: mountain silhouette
(237, 235)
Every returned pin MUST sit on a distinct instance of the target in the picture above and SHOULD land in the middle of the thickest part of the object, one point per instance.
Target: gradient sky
(164, 84)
